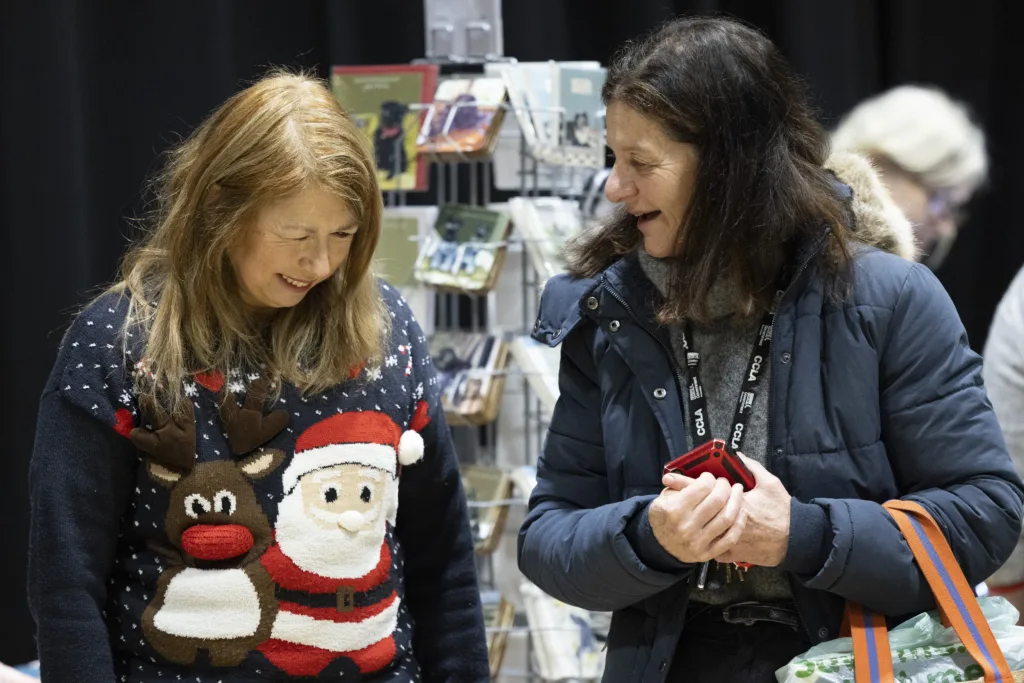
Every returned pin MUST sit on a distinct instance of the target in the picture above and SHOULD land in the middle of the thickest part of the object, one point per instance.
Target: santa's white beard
(332, 553)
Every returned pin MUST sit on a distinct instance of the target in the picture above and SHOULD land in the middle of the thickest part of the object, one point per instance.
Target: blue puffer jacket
(876, 398)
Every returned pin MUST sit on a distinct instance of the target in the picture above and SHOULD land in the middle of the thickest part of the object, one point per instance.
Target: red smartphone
(715, 458)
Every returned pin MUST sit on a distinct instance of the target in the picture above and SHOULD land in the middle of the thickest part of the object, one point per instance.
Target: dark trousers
(711, 650)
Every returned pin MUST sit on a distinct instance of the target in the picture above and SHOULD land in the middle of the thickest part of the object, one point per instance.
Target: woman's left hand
(765, 539)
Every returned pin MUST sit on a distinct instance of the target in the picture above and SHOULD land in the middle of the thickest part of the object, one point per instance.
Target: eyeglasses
(945, 203)
(942, 203)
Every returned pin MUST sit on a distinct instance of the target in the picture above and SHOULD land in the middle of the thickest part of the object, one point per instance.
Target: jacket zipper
(771, 385)
(680, 382)
(679, 390)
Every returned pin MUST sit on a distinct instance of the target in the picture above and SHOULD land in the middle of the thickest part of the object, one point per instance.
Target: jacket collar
(566, 300)
(629, 283)
(562, 306)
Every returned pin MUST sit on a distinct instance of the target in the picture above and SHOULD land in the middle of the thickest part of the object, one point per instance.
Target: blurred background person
(930, 154)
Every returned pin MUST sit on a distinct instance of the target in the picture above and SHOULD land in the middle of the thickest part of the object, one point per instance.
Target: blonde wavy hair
(283, 134)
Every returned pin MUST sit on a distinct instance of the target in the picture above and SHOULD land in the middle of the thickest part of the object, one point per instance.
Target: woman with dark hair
(752, 289)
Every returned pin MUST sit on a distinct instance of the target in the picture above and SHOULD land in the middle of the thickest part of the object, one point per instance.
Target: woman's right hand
(697, 520)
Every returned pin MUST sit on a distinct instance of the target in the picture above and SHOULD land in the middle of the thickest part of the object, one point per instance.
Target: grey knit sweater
(724, 346)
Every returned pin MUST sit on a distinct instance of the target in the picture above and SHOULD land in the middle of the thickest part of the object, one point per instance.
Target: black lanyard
(700, 423)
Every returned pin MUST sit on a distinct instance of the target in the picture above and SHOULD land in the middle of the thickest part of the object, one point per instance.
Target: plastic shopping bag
(923, 651)
(982, 644)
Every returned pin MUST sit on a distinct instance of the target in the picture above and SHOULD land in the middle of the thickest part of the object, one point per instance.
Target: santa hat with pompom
(359, 438)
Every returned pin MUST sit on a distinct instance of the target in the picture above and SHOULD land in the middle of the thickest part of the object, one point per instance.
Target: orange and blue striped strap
(956, 601)
(872, 659)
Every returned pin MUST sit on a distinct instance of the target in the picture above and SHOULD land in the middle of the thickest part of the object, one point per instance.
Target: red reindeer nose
(216, 541)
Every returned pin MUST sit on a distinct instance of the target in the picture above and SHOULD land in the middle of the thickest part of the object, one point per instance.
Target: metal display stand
(461, 34)
(469, 182)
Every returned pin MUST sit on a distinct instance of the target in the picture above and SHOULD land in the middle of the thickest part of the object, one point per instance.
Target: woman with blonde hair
(241, 469)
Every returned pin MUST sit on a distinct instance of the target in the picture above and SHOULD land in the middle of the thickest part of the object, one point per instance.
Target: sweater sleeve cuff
(641, 537)
(810, 539)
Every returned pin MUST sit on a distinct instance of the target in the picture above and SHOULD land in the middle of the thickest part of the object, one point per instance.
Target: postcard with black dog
(379, 99)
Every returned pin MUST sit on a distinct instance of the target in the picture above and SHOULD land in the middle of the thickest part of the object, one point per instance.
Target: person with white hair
(931, 156)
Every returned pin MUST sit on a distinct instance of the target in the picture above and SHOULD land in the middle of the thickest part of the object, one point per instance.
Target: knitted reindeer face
(213, 513)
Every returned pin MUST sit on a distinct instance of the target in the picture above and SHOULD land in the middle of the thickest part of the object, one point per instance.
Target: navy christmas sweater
(316, 537)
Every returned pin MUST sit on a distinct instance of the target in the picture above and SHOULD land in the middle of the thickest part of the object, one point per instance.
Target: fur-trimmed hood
(880, 222)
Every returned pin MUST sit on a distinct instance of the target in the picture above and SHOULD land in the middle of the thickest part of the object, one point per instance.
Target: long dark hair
(725, 88)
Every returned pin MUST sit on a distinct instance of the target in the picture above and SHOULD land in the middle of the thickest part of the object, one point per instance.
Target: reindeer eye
(196, 505)
(330, 493)
(366, 494)
(226, 502)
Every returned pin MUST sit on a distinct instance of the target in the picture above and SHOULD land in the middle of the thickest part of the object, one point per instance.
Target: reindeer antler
(247, 427)
(170, 440)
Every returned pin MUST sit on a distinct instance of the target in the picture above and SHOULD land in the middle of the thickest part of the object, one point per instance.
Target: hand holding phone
(765, 538)
(713, 457)
(700, 522)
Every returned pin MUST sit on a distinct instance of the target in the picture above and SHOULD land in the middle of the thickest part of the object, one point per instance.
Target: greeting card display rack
(539, 621)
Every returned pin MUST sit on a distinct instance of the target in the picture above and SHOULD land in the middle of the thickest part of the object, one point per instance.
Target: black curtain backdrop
(92, 92)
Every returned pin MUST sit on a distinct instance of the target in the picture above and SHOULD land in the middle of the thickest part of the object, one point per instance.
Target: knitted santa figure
(331, 560)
